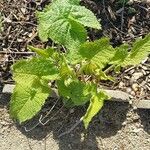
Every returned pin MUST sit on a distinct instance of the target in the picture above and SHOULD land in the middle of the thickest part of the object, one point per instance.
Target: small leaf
(139, 51)
(42, 52)
(96, 103)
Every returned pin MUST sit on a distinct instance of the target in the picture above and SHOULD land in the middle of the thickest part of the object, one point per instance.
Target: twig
(42, 118)
(21, 22)
(122, 16)
(18, 53)
(72, 128)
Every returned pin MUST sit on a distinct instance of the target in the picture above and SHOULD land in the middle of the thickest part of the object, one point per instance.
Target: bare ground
(117, 127)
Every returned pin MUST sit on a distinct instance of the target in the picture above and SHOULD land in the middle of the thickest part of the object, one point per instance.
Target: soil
(118, 126)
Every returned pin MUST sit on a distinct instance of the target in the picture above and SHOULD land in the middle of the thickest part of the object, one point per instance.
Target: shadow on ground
(145, 119)
(107, 123)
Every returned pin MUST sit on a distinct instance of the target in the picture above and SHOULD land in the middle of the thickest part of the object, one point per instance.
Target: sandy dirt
(117, 127)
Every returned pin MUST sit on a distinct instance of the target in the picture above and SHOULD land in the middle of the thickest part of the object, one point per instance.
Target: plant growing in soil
(76, 72)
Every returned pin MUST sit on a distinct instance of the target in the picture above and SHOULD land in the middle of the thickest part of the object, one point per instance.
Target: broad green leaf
(63, 21)
(31, 77)
(78, 92)
(99, 52)
(27, 100)
(96, 103)
(139, 51)
(34, 69)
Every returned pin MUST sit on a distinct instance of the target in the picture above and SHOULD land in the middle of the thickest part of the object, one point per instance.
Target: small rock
(121, 84)
(130, 102)
(135, 87)
(136, 130)
(144, 68)
(20, 40)
(128, 90)
(136, 76)
(133, 93)
(71, 111)
(134, 108)
(124, 123)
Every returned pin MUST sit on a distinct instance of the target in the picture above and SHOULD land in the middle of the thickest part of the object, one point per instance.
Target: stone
(135, 87)
(8, 88)
(136, 76)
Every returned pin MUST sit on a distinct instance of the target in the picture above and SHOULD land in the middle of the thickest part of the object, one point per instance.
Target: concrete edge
(116, 95)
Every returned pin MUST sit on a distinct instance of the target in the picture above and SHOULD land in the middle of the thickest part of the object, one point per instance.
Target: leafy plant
(77, 82)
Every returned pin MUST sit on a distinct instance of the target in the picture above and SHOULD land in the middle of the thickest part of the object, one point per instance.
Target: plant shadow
(4, 100)
(145, 119)
(106, 124)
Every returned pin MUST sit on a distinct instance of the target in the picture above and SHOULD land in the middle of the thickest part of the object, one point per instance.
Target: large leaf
(139, 51)
(27, 100)
(62, 22)
(98, 53)
(96, 103)
(31, 77)
(36, 68)
(78, 92)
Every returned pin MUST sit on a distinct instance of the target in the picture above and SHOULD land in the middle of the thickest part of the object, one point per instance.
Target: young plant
(77, 81)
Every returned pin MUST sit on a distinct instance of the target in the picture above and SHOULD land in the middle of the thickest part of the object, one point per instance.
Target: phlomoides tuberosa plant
(77, 71)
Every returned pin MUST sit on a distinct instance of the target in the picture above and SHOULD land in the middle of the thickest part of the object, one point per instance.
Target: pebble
(132, 93)
(144, 68)
(136, 76)
(71, 111)
(124, 123)
(135, 87)
(135, 108)
(130, 102)
(121, 84)
(136, 130)
(128, 90)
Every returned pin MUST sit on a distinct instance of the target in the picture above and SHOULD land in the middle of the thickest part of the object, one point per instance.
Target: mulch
(120, 22)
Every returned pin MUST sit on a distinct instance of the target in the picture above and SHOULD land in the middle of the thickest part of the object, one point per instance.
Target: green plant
(77, 78)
